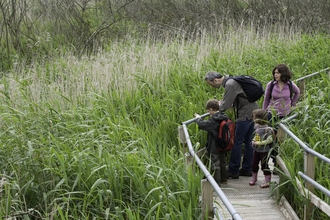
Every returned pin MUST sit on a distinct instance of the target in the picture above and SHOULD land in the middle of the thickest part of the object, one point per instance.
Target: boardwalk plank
(251, 202)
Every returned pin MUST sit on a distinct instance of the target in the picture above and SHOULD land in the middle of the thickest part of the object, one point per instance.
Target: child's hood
(220, 116)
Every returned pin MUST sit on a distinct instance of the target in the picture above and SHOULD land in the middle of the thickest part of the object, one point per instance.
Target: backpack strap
(226, 79)
(290, 87)
(272, 87)
(236, 99)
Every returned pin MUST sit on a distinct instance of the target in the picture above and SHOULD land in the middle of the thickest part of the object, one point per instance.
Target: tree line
(37, 29)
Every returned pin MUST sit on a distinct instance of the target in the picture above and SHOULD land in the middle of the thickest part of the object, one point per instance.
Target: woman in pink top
(280, 96)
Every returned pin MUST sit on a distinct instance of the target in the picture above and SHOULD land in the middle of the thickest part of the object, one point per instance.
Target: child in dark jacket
(218, 158)
(262, 143)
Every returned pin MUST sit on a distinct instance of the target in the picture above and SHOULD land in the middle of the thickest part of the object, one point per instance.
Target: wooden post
(281, 135)
(200, 153)
(207, 199)
(309, 166)
(302, 89)
(182, 139)
(190, 160)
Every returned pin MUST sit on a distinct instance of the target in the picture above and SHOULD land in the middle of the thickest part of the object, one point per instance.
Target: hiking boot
(245, 172)
(232, 175)
(223, 174)
(217, 176)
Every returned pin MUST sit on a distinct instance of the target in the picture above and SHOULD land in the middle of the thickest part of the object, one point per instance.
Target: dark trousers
(218, 162)
(261, 157)
(243, 135)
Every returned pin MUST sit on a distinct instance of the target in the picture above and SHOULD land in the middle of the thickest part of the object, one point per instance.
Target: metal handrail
(216, 187)
(235, 215)
(309, 164)
(313, 74)
(303, 145)
(314, 183)
(312, 152)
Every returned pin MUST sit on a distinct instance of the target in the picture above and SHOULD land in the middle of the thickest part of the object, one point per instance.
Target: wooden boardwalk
(253, 202)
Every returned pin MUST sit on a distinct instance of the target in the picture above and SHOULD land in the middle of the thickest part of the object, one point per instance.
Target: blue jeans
(243, 134)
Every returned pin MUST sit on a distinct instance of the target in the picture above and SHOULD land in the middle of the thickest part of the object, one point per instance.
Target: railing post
(182, 140)
(184, 148)
(190, 160)
(309, 166)
(207, 199)
(302, 89)
(281, 135)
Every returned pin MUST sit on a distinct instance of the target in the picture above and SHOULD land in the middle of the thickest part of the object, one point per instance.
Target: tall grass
(312, 127)
(97, 137)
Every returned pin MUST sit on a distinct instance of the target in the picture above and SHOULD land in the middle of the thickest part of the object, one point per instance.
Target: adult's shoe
(245, 172)
(232, 175)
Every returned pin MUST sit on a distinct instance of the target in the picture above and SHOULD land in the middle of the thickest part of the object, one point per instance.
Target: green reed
(96, 137)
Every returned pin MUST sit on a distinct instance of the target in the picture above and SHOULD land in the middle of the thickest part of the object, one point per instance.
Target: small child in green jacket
(218, 158)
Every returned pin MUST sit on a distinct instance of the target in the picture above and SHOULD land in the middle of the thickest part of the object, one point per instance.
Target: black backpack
(251, 87)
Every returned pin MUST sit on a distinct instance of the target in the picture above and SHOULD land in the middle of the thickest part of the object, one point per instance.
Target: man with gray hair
(234, 97)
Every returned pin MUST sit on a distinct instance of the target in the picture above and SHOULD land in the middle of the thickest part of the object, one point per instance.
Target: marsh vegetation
(92, 134)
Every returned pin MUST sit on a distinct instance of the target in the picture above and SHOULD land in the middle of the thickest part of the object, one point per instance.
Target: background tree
(43, 28)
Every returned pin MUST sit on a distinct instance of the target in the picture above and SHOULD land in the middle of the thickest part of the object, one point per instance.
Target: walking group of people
(255, 126)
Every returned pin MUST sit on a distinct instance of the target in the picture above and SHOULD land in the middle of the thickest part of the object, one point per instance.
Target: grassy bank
(97, 137)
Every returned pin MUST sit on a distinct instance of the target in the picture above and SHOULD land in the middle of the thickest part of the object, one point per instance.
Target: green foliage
(6, 56)
(312, 128)
(97, 137)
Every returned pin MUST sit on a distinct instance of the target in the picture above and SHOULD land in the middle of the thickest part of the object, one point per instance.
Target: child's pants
(263, 158)
(218, 162)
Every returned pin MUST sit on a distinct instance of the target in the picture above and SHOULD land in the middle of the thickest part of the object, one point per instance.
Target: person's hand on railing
(197, 115)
